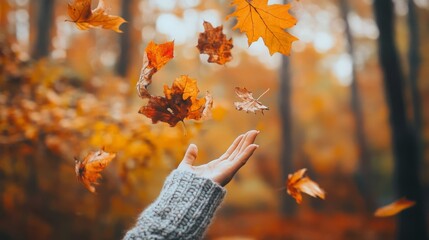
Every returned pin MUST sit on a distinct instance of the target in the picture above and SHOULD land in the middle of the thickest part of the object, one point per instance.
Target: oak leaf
(88, 170)
(248, 103)
(214, 43)
(394, 208)
(154, 58)
(180, 102)
(81, 14)
(297, 183)
(258, 19)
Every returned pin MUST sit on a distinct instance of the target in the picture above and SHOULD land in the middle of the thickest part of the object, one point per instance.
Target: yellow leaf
(258, 19)
(81, 14)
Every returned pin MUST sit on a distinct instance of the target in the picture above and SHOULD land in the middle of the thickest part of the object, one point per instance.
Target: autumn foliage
(297, 183)
(180, 102)
(81, 14)
(214, 43)
(259, 20)
(57, 113)
(394, 207)
(88, 170)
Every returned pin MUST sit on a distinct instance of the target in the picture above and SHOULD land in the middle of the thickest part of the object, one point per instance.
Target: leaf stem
(262, 94)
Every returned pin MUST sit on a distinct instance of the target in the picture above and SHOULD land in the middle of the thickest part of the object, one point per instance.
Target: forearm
(183, 210)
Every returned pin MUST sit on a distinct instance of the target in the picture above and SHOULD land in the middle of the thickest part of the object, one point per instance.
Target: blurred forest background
(349, 104)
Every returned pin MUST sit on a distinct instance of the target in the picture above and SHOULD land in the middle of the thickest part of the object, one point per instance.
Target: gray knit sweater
(183, 209)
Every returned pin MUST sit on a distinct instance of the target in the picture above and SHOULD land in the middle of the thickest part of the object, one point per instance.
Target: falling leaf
(248, 103)
(297, 183)
(88, 170)
(214, 43)
(180, 102)
(258, 19)
(80, 13)
(394, 208)
(155, 57)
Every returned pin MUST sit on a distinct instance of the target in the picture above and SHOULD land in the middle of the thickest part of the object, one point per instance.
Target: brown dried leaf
(214, 43)
(297, 183)
(88, 170)
(248, 103)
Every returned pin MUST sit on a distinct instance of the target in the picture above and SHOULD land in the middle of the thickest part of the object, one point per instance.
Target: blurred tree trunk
(125, 40)
(414, 61)
(412, 222)
(45, 10)
(287, 205)
(363, 175)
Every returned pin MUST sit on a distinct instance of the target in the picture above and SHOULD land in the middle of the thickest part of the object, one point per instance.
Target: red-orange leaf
(394, 208)
(214, 43)
(248, 103)
(180, 102)
(80, 13)
(154, 58)
(88, 170)
(297, 183)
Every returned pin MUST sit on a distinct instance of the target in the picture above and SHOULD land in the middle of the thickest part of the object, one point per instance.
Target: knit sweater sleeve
(183, 209)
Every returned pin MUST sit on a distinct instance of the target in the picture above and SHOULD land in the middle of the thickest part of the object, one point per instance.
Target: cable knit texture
(183, 209)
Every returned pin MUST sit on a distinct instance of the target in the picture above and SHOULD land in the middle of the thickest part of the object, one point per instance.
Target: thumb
(190, 155)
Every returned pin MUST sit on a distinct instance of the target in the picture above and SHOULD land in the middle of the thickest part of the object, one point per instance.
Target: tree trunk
(125, 40)
(411, 222)
(287, 206)
(363, 175)
(414, 61)
(44, 26)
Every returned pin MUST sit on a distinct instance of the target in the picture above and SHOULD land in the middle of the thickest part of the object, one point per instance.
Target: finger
(248, 138)
(231, 148)
(190, 155)
(241, 159)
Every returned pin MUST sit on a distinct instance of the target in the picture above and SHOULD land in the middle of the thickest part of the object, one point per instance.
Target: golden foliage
(81, 14)
(258, 19)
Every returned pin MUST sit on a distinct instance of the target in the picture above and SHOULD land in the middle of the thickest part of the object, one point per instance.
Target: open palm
(222, 169)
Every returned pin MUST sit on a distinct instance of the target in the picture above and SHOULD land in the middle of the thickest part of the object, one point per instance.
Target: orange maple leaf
(80, 13)
(154, 58)
(88, 170)
(248, 103)
(180, 102)
(214, 43)
(258, 19)
(297, 183)
(394, 208)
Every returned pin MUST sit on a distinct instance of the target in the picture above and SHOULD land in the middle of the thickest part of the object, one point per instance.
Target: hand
(222, 170)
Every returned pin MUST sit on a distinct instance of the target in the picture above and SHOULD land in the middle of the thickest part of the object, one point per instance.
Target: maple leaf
(154, 58)
(258, 19)
(394, 208)
(214, 43)
(81, 14)
(180, 102)
(249, 104)
(88, 170)
(297, 183)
